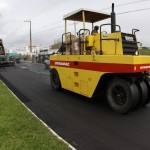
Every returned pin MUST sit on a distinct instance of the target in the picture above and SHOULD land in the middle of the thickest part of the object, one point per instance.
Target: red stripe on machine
(103, 67)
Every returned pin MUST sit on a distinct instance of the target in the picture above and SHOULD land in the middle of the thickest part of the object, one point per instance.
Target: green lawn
(145, 51)
(20, 130)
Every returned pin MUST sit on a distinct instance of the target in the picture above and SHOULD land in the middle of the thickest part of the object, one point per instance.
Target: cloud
(47, 15)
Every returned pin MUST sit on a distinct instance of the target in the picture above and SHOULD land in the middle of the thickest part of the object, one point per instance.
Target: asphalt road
(86, 124)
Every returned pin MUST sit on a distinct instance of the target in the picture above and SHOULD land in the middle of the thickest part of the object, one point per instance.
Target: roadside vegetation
(145, 51)
(20, 130)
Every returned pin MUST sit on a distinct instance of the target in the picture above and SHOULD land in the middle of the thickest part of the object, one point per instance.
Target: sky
(47, 19)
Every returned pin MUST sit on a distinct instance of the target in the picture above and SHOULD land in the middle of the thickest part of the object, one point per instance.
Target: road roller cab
(102, 62)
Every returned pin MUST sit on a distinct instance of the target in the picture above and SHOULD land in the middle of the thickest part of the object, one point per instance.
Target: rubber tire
(130, 91)
(143, 90)
(147, 81)
(46, 66)
(135, 95)
(55, 81)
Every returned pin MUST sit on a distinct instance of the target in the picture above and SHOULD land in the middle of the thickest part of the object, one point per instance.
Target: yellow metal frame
(82, 73)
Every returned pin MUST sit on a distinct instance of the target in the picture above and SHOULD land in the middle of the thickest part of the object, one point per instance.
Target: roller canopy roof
(91, 16)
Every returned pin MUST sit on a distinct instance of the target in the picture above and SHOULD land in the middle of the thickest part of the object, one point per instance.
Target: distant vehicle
(44, 54)
(3, 58)
(13, 56)
(47, 63)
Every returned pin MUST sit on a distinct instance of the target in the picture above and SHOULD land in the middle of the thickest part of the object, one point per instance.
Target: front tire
(121, 95)
(55, 81)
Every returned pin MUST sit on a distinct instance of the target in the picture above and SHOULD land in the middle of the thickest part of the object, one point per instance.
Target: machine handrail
(135, 30)
(66, 42)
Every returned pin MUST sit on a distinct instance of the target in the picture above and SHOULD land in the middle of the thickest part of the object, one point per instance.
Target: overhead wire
(48, 7)
(133, 11)
(56, 4)
(139, 1)
(110, 7)
(59, 3)
(54, 28)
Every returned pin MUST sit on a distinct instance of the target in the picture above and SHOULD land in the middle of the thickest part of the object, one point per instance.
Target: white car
(47, 64)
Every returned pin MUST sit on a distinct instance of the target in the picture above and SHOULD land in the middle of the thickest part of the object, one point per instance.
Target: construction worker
(95, 30)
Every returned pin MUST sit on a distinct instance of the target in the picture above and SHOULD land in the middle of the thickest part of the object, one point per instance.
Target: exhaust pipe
(113, 20)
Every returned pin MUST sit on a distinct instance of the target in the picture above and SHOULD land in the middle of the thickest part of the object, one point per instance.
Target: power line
(131, 2)
(116, 14)
(54, 23)
(133, 11)
(109, 7)
(54, 4)
(59, 3)
(126, 4)
(48, 7)
(71, 24)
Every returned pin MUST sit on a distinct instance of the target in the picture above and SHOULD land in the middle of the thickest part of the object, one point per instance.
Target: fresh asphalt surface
(84, 123)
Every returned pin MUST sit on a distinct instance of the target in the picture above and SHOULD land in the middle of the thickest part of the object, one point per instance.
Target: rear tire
(143, 90)
(46, 66)
(147, 81)
(55, 81)
(121, 95)
(135, 95)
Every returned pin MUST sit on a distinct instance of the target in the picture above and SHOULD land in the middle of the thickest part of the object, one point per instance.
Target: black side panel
(129, 44)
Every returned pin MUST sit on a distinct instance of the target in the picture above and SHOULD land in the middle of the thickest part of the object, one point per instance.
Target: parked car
(47, 63)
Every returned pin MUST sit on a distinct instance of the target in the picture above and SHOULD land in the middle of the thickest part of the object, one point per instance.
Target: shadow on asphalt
(96, 103)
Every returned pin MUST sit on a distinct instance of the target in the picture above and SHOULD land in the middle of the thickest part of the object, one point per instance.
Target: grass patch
(145, 51)
(20, 130)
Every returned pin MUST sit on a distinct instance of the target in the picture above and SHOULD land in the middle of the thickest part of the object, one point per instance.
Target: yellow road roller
(90, 63)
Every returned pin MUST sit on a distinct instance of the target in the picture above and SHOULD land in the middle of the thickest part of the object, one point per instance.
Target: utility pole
(30, 35)
(75, 28)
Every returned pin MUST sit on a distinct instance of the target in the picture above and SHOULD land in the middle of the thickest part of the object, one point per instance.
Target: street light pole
(30, 35)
